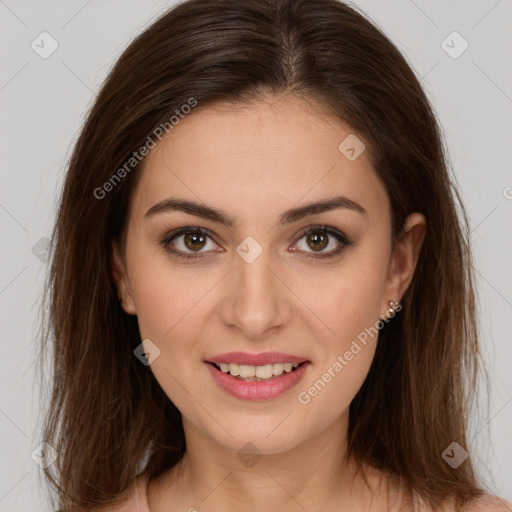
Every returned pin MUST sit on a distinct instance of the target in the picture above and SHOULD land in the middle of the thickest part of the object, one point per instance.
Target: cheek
(350, 308)
(170, 312)
(166, 294)
(344, 359)
(347, 300)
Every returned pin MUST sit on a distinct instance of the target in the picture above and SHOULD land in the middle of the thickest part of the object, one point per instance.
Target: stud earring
(390, 313)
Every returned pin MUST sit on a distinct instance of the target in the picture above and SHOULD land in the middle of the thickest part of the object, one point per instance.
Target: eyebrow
(221, 217)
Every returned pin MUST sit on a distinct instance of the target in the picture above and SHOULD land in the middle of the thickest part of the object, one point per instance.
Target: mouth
(252, 373)
(257, 382)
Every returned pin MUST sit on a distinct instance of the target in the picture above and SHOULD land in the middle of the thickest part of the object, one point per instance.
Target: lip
(254, 390)
(256, 359)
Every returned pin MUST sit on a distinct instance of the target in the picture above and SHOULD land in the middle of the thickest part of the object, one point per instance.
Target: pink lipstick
(260, 376)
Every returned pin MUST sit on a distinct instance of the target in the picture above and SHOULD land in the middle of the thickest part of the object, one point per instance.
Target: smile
(256, 373)
(251, 382)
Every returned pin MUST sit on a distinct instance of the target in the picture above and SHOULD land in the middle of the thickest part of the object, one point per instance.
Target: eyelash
(339, 236)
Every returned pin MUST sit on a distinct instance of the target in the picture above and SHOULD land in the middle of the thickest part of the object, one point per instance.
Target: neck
(314, 475)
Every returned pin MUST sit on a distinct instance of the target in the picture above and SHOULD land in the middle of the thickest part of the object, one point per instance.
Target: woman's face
(259, 284)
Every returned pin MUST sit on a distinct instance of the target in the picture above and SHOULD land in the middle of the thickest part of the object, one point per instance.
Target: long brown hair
(107, 416)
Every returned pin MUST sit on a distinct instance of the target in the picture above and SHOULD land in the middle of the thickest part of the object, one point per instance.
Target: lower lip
(257, 390)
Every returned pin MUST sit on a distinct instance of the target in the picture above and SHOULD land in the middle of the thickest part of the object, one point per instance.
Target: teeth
(266, 371)
(277, 369)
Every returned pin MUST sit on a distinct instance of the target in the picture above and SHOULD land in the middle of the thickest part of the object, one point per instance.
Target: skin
(254, 162)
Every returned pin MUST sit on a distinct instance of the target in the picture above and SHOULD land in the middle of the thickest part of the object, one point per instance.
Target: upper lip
(256, 359)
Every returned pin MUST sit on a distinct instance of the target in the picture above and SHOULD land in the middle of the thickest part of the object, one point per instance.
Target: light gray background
(43, 102)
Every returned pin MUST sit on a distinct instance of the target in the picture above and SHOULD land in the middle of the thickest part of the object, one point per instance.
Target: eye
(193, 238)
(320, 237)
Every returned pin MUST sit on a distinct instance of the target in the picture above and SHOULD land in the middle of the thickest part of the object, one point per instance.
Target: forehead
(243, 157)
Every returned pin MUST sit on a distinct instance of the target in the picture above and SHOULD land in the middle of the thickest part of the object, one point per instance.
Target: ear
(122, 281)
(404, 258)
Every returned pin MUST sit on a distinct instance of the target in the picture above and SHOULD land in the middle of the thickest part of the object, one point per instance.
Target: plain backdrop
(43, 101)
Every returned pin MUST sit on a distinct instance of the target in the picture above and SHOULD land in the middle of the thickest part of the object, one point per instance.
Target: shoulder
(488, 503)
(485, 503)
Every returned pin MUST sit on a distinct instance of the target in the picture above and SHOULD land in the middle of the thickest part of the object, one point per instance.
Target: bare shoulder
(489, 503)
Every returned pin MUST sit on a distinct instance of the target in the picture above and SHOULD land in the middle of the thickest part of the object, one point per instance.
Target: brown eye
(317, 240)
(185, 242)
(194, 241)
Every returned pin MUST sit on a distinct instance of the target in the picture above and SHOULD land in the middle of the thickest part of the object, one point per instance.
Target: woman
(260, 293)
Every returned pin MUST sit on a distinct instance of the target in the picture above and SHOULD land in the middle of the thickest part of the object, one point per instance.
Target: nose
(256, 300)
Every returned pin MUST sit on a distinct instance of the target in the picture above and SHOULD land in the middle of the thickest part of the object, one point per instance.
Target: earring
(120, 300)
(390, 313)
